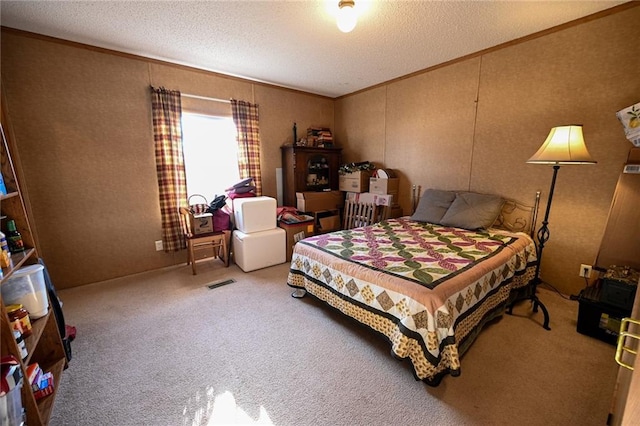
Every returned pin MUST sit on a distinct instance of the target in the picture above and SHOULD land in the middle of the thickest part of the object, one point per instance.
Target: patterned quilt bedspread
(428, 288)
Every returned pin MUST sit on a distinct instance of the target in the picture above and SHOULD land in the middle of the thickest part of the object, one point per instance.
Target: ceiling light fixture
(347, 16)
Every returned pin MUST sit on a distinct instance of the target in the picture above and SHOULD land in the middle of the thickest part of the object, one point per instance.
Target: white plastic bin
(259, 249)
(11, 407)
(27, 287)
(255, 214)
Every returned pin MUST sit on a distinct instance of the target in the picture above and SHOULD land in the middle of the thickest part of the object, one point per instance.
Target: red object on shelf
(10, 374)
(43, 392)
(33, 371)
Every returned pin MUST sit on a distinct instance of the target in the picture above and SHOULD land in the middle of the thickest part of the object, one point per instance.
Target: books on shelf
(41, 382)
(319, 136)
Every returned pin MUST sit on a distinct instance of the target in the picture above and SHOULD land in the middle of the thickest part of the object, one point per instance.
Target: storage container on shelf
(11, 410)
(26, 287)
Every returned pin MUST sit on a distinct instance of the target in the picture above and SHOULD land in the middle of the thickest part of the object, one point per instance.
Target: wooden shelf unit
(44, 345)
(311, 169)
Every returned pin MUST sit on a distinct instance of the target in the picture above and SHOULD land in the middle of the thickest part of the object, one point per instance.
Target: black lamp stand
(543, 237)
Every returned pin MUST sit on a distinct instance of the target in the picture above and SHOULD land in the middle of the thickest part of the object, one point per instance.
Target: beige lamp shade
(564, 145)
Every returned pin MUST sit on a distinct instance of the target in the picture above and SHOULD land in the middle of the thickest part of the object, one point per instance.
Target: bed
(427, 282)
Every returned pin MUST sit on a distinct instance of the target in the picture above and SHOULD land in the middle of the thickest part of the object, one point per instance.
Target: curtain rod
(186, 95)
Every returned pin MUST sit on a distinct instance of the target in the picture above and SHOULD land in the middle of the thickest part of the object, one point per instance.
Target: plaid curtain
(245, 117)
(167, 136)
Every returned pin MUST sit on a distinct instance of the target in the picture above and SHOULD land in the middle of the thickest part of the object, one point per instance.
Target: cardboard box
(202, 223)
(296, 232)
(384, 186)
(355, 182)
(329, 223)
(318, 201)
(368, 197)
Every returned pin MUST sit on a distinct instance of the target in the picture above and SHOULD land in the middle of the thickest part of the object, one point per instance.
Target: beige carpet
(160, 348)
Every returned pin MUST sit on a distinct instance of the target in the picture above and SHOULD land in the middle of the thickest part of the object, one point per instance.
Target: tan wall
(82, 122)
(431, 129)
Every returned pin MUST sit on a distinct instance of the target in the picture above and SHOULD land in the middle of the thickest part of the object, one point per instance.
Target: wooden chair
(215, 241)
(361, 214)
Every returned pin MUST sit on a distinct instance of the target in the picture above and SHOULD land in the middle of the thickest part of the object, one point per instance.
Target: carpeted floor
(161, 348)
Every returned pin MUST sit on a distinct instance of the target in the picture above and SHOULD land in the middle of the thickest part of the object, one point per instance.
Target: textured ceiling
(296, 44)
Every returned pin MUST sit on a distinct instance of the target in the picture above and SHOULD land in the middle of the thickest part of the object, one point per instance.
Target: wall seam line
(475, 122)
(384, 124)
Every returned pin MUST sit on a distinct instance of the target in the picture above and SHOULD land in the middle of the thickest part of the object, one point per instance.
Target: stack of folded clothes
(242, 189)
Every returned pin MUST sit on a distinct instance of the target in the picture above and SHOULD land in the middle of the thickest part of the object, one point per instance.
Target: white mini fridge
(259, 250)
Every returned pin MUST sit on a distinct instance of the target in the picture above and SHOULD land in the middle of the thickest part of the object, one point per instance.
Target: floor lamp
(564, 145)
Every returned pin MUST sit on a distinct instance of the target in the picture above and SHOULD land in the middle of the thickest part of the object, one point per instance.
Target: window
(210, 154)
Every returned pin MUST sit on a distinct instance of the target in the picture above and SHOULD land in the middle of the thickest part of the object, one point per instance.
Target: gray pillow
(471, 210)
(433, 205)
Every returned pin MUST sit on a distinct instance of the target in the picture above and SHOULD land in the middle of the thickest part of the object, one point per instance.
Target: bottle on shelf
(14, 238)
(19, 319)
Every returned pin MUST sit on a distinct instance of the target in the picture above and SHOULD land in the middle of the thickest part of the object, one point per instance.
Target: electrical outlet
(159, 245)
(585, 271)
